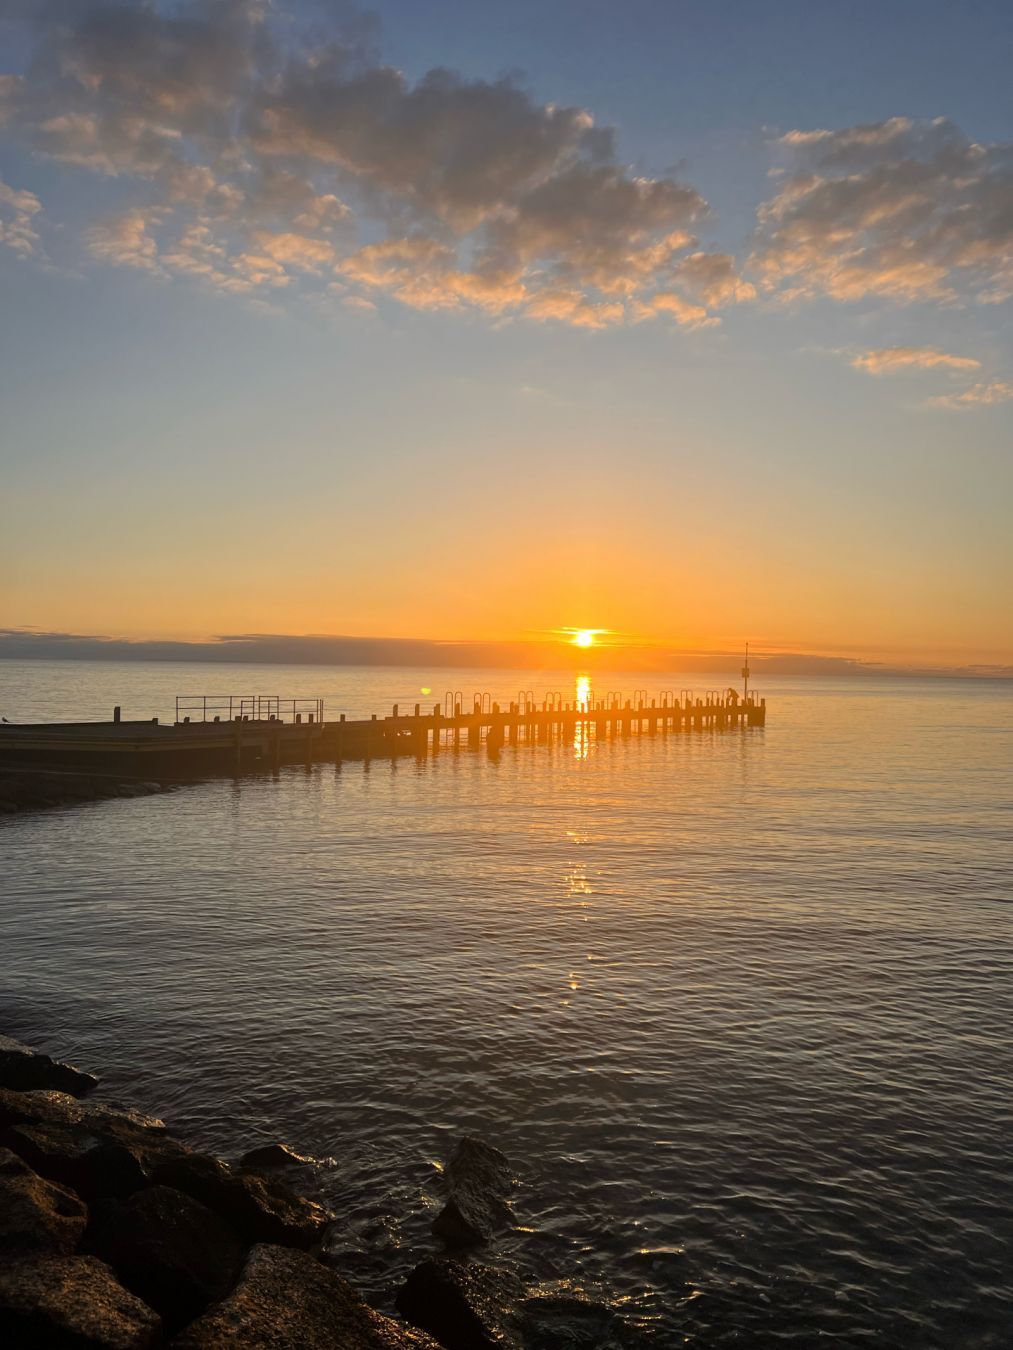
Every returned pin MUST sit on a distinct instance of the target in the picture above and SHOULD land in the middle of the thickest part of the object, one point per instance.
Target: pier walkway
(230, 733)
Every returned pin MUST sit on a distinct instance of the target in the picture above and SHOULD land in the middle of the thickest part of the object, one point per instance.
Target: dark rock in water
(62, 1109)
(169, 1250)
(286, 1300)
(71, 1303)
(259, 1209)
(273, 1155)
(480, 1180)
(35, 1214)
(567, 1320)
(25, 1070)
(464, 1305)
(96, 1150)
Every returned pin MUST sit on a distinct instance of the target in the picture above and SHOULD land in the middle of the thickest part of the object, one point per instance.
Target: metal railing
(247, 708)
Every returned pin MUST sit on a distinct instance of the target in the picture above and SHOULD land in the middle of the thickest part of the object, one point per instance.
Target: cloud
(570, 306)
(18, 210)
(898, 209)
(889, 360)
(713, 278)
(985, 394)
(260, 156)
(453, 149)
(125, 240)
(677, 307)
(295, 250)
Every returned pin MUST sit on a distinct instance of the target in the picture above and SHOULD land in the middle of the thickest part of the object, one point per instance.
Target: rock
(259, 1209)
(169, 1250)
(24, 1070)
(30, 789)
(480, 1180)
(286, 1300)
(273, 1155)
(71, 1303)
(96, 1150)
(465, 1306)
(61, 1108)
(36, 1215)
(558, 1317)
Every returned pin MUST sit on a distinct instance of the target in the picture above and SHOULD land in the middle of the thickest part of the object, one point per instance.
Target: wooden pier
(266, 732)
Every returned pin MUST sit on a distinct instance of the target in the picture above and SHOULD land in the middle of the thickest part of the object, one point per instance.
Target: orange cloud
(985, 394)
(888, 360)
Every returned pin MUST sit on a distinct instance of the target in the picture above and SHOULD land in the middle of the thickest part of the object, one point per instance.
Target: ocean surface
(737, 1005)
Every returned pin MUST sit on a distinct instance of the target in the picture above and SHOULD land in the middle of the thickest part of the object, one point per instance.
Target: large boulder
(286, 1300)
(479, 1178)
(258, 1208)
(25, 1070)
(464, 1305)
(96, 1150)
(71, 1303)
(36, 1215)
(169, 1250)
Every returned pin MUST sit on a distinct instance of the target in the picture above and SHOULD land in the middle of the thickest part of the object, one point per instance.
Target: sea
(737, 1005)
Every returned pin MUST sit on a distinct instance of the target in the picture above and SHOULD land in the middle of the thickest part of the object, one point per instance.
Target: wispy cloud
(889, 360)
(263, 158)
(985, 394)
(18, 212)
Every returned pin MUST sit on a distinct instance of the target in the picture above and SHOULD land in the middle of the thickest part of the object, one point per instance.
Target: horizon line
(344, 650)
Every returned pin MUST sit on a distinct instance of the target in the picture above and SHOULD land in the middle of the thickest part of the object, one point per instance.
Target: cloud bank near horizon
(426, 653)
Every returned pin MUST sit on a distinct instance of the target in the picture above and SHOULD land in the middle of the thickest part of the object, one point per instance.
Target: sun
(584, 637)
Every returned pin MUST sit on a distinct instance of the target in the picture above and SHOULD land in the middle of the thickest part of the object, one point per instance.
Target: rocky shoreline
(37, 789)
(117, 1235)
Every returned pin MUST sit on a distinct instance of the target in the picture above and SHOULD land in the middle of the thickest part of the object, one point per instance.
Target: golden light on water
(582, 731)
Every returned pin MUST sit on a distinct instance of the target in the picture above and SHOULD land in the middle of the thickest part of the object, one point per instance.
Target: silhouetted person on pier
(733, 697)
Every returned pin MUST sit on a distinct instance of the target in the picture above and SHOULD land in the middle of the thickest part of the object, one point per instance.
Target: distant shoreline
(404, 654)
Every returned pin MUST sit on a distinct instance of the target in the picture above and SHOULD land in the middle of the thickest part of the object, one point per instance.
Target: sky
(445, 320)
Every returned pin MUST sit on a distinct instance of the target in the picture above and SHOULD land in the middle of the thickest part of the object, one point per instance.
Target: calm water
(737, 1005)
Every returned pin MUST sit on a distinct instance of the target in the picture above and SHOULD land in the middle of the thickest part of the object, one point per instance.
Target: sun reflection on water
(582, 730)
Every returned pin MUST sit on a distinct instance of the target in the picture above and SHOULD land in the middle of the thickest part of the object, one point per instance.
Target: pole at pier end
(745, 677)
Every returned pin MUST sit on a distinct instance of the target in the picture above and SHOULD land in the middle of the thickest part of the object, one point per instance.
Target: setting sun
(584, 637)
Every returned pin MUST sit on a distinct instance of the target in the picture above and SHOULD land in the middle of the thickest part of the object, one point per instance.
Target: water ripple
(737, 1006)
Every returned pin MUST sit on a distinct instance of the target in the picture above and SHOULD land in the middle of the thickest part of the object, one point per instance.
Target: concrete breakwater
(117, 1235)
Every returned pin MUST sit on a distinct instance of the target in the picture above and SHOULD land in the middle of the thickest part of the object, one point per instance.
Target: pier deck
(189, 747)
